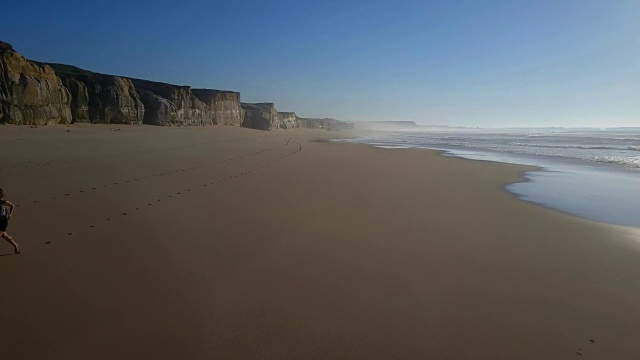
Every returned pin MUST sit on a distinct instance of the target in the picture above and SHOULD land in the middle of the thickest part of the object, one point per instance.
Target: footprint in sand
(579, 352)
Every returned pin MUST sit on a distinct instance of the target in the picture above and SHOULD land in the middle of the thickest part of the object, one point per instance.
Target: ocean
(591, 173)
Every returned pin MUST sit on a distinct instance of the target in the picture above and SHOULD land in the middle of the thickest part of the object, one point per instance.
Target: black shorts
(3, 225)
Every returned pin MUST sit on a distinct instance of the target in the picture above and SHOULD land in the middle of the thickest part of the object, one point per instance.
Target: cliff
(172, 104)
(261, 116)
(288, 120)
(224, 105)
(99, 98)
(264, 116)
(30, 94)
(35, 93)
(40, 93)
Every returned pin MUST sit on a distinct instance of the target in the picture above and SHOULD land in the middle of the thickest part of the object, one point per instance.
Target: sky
(483, 63)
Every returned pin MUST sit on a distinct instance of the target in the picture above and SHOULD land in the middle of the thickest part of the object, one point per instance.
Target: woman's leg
(6, 236)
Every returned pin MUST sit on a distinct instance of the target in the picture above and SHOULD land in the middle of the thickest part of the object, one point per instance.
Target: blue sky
(473, 63)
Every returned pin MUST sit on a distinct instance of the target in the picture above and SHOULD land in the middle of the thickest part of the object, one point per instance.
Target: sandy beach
(219, 242)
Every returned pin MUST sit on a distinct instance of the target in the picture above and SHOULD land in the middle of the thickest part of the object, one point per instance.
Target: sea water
(592, 173)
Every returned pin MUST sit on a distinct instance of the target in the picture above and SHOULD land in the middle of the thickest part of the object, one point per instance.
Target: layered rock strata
(261, 116)
(224, 105)
(264, 116)
(288, 120)
(35, 93)
(30, 94)
(181, 107)
(99, 98)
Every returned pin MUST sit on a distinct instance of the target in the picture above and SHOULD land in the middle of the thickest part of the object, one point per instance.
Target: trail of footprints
(165, 173)
(580, 352)
(35, 163)
(179, 193)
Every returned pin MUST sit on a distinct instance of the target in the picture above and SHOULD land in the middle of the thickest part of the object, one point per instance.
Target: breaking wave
(619, 148)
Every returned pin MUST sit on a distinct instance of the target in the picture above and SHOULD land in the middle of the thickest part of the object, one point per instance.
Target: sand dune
(221, 242)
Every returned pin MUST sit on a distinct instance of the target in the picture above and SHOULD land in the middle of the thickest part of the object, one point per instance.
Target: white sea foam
(584, 164)
(619, 147)
(633, 162)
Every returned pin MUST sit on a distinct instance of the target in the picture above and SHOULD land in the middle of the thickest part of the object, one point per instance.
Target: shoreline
(523, 178)
(266, 249)
(349, 135)
(523, 189)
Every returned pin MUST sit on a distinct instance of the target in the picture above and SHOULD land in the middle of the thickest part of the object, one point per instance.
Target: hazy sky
(475, 62)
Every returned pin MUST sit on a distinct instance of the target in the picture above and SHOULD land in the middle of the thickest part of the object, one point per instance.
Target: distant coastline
(40, 93)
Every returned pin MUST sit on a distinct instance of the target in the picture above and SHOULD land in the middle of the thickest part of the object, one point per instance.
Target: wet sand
(225, 243)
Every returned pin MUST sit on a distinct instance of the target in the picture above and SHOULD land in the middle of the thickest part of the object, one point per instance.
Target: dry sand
(224, 243)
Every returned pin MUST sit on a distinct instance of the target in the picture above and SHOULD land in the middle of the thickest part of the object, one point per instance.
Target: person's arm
(9, 204)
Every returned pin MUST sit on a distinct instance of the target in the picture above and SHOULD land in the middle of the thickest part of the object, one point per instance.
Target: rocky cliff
(30, 94)
(288, 120)
(35, 93)
(225, 105)
(172, 104)
(99, 98)
(264, 116)
(261, 116)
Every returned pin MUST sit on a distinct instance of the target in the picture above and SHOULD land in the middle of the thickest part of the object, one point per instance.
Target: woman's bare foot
(17, 251)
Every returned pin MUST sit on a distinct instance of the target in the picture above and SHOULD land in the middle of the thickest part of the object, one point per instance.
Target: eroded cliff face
(99, 98)
(224, 105)
(157, 110)
(30, 94)
(180, 108)
(261, 116)
(264, 116)
(34, 93)
(79, 100)
(288, 120)
(186, 106)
